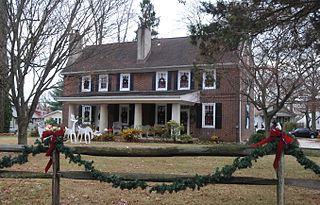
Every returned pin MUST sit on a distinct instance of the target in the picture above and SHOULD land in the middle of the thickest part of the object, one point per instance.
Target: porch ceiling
(188, 99)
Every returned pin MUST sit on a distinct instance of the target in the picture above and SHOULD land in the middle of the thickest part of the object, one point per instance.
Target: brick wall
(143, 81)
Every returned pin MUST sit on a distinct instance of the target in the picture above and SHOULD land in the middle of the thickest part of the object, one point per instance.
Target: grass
(38, 191)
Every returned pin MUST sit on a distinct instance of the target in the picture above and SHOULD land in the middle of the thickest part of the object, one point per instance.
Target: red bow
(52, 145)
(284, 139)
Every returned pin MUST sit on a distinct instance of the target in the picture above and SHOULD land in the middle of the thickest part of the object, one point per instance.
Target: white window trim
(204, 77)
(82, 84)
(100, 77)
(157, 80)
(121, 86)
(165, 111)
(90, 113)
(204, 112)
(120, 108)
(189, 80)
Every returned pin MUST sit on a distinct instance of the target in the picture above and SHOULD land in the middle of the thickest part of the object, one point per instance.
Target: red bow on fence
(284, 139)
(52, 145)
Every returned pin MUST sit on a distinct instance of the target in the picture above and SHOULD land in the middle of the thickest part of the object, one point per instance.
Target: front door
(184, 120)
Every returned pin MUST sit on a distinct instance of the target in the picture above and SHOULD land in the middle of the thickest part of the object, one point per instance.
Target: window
(208, 115)
(161, 114)
(103, 82)
(209, 80)
(161, 80)
(124, 82)
(86, 84)
(184, 80)
(124, 114)
(86, 114)
(247, 116)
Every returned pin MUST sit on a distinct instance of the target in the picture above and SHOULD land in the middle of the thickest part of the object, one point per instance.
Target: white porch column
(137, 115)
(103, 123)
(72, 110)
(176, 112)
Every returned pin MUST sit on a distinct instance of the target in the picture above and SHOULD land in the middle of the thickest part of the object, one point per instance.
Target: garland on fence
(195, 182)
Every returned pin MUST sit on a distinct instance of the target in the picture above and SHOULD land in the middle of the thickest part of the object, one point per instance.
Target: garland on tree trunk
(195, 182)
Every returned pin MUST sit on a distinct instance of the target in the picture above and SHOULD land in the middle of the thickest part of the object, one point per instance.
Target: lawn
(38, 191)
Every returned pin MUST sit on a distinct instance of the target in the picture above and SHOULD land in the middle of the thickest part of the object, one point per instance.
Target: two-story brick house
(150, 82)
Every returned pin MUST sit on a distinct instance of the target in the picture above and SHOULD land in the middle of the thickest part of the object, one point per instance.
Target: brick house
(150, 82)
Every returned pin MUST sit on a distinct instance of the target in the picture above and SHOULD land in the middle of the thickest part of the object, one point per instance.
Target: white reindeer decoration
(71, 132)
(85, 132)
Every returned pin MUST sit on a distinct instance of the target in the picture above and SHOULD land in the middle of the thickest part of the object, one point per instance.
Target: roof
(118, 56)
(52, 113)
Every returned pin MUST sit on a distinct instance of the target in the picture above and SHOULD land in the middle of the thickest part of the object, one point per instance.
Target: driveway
(309, 143)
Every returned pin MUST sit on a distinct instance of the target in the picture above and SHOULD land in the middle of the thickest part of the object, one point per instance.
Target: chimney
(144, 44)
(75, 46)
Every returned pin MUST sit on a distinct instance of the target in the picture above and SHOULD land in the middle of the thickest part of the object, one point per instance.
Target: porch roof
(188, 99)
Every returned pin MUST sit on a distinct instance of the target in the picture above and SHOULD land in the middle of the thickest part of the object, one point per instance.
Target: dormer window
(209, 80)
(86, 84)
(184, 80)
(103, 82)
(162, 80)
(124, 82)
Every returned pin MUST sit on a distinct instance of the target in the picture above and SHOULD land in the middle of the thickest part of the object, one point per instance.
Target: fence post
(280, 185)
(55, 178)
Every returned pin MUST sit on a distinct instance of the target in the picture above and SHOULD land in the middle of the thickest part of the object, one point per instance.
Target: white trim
(121, 81)
(82, 84)
(106, 76)
(120, 108)
(158, 75)
(90, 114)
(204, 76)
(180, 72)
(213, 113)
(156, 114)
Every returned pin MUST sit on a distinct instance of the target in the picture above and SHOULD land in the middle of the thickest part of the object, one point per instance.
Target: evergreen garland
(196, 182)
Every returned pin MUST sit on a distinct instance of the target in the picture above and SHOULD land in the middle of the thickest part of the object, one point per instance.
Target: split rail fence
(222, 151)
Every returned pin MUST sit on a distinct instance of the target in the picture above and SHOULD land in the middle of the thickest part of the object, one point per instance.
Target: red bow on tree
(52, 145)
(284, 139)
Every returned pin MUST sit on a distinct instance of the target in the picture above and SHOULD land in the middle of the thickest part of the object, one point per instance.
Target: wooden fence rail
(148, 151)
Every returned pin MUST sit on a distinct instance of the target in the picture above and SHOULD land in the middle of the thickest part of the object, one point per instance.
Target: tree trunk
(22, 131)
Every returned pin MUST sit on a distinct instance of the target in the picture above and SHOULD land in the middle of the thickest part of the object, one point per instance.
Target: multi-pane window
(208, 115)
(124, 114)
(86, 114)
(103, 82)
(184, 80)
(125, 82)
(86, 84)
(161, 114)
(161, 80)
(209, 79)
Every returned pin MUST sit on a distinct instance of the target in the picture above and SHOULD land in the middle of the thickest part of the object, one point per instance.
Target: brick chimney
(144, 44)
(75, 46)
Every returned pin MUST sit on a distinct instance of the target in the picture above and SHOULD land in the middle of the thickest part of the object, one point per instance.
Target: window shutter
(80, 84)
(131, 81)
(200, 82)
(118, 81)
(191, 81)
(109, 82)
(170, 73)
(218, 117)
(218, 78)
(175, 81)
(93, 114)
(199, 115)
(80, 113)
(131, 114)
(154, 81)
(169, 112)
(92, 82)
(96, 83)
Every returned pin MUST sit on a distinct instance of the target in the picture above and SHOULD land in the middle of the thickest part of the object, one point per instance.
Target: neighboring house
(55, 115)
(37, 117)
(150, 82)
(303, 121)
(282, 116)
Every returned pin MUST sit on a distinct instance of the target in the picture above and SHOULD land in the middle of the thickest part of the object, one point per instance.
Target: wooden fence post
(56, 178)
(280, 185)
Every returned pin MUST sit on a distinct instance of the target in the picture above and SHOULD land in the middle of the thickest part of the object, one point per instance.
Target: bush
(104, 137)
(185, 138)
(131, 134)
(289, 126)
(256, 137)
(172, 130)
(34, 133)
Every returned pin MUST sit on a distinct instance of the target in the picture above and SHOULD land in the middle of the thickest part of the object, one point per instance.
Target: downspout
(240, 118)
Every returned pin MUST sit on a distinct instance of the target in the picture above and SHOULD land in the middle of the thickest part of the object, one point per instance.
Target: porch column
(72, 110)
(103, 123)
(176, 112)
(137, 115)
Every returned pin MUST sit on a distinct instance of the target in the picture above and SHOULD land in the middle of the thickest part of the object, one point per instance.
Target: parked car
(304, 132)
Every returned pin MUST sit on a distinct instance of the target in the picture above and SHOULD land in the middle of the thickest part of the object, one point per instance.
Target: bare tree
(125, 16)
(37, 49)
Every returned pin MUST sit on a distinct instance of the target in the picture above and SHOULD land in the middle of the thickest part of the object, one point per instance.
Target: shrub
(256, 137)
(34, 133)
(185, 138)
(289, 126)
(172, 130)
(214, 138)
(131, 134)
(104, 137)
